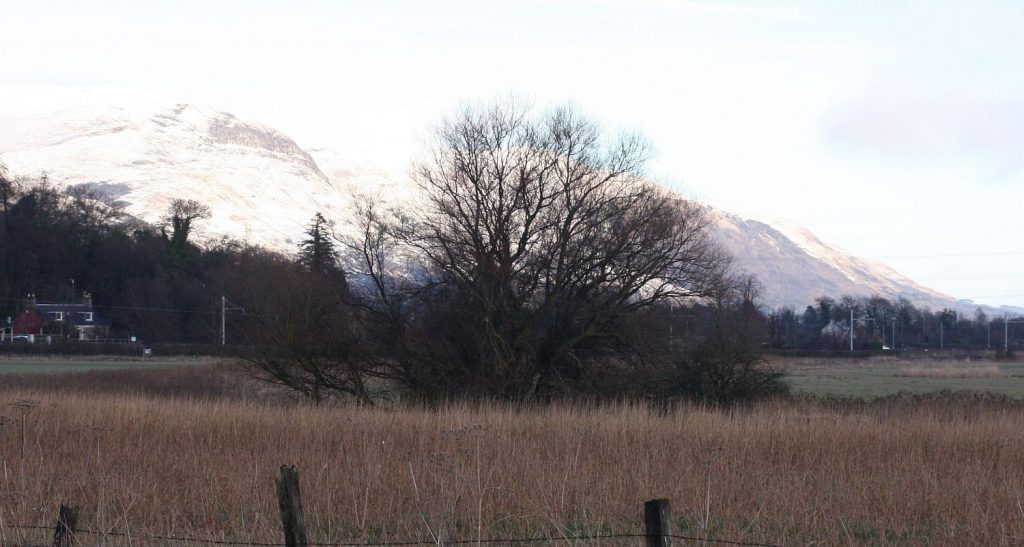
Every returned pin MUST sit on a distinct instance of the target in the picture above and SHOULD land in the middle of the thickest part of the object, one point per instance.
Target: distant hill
(144, 151)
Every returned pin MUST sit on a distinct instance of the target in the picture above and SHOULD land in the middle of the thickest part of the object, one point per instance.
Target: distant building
(73, 320)
(836, 331)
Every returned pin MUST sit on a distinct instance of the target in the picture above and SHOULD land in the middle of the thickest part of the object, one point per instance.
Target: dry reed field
(898, 471)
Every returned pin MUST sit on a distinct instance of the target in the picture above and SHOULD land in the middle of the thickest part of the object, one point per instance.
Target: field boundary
(657, 521)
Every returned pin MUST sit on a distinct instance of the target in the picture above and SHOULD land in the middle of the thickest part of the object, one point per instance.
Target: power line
(950, 255)
(165, 310)
(992, 296)
(971, 277)
(927, 235)
(135, 308)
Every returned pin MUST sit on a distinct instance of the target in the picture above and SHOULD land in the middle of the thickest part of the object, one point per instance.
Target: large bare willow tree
(543, 238)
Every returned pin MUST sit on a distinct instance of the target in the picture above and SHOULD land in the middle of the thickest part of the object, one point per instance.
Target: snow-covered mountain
(262, 186)
(796, 267)
(146, 151)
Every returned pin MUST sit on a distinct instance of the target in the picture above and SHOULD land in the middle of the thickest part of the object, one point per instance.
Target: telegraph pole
(224, 309)
(851, 329)
(223, 331)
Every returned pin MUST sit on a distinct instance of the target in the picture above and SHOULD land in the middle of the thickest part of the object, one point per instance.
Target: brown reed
(788, 472)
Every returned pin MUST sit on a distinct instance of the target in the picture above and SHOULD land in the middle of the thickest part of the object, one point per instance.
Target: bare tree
(373, 254)
(302, 329)
(726, 367)
(543, 238)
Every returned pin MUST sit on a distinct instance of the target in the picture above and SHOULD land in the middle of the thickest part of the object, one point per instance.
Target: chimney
(30, 300)
(87, 299)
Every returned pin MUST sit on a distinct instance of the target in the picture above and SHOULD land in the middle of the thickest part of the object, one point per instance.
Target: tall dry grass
(896, 472)
(219, 380)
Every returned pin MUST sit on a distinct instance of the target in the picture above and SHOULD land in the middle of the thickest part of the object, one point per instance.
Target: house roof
(69, 309)
(77, 308)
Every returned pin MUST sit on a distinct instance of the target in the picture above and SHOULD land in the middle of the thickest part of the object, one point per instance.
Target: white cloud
(935, 127)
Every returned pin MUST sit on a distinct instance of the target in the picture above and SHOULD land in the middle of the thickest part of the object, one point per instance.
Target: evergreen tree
(317, 252)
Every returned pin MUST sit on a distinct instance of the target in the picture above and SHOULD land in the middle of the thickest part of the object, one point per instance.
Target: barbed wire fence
(77, 538)
(658, 530)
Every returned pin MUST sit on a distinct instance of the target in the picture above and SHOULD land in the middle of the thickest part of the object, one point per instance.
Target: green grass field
(861, 378)
(31, 365)
(866, 379)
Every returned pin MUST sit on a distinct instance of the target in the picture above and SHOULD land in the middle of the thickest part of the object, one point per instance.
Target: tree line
(149, 281)
(892, 323)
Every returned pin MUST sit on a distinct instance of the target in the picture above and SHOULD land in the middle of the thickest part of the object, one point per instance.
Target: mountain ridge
(262, 186)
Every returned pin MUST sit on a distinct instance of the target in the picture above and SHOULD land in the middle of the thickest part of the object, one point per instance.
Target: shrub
(720, 372)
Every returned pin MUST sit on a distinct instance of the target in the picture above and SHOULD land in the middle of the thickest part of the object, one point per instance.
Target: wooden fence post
(292, 519)
(67, 521)
(658, 523)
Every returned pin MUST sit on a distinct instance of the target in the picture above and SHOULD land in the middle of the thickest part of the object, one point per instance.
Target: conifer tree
(317, 252)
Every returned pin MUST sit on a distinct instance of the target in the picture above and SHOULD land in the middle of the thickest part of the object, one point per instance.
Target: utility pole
(224, 309)
(671, 330)
(941, 342)
(672, 315)
(1006, 334)
(851, 329)
(223, 322)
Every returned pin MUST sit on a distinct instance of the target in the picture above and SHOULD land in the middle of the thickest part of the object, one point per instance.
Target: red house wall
(29, 321)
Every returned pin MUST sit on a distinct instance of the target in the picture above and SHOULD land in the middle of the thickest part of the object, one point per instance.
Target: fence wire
(511, 541)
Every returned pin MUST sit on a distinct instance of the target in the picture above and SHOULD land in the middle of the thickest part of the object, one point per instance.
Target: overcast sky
(893, 129)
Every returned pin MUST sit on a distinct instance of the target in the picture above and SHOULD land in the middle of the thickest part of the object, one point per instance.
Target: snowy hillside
(796, 267)
(144, 151)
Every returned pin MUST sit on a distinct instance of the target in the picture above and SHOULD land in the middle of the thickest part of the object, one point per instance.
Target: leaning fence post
(67, 521)
(288, 498)
(658, 523)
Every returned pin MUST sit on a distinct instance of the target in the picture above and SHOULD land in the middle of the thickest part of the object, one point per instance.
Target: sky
(892, 129)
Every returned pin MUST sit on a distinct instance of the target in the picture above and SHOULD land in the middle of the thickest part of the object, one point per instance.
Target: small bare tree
(374, 251)
(726, 367)
(303, 331)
